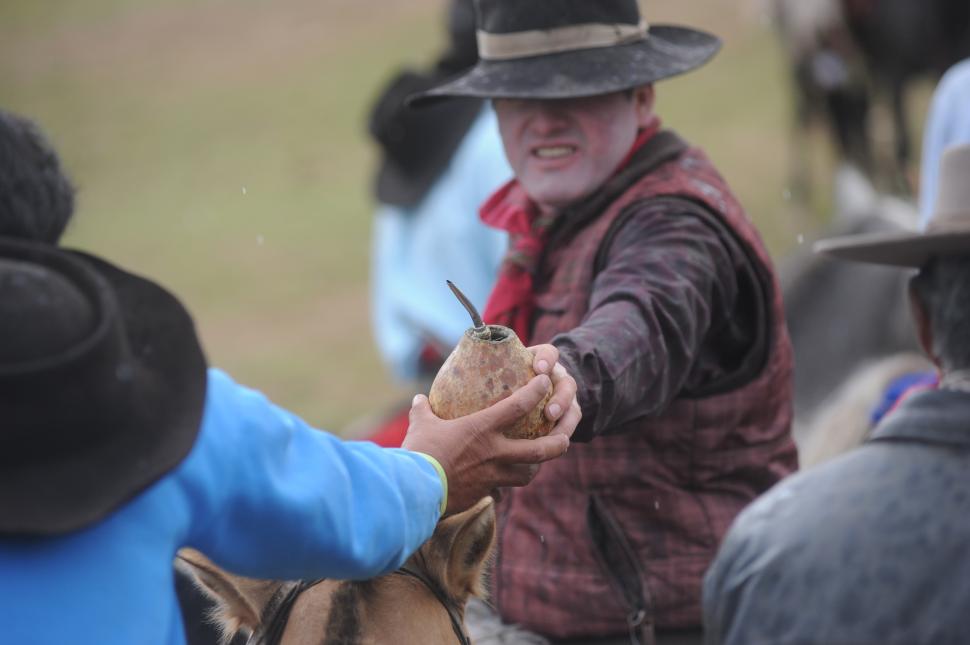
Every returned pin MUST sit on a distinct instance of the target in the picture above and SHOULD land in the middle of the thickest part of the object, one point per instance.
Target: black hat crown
(102, 387)
(504, 17)
(553, 49)
(42, 314)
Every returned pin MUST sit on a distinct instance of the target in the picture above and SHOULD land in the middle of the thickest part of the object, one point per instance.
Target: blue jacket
(261, 493)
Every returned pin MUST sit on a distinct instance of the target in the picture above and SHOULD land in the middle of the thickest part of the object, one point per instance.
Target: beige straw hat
(946, 233)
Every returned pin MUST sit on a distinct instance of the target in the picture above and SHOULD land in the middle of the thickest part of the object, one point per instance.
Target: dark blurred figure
(36, 196)
(37, 203)
(417, 145)
(829, 83)
(437, 166)
(903, 41)
(848, 55)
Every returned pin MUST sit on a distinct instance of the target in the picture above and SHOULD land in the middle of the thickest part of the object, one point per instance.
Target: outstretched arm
(668, 277)
(271, 497)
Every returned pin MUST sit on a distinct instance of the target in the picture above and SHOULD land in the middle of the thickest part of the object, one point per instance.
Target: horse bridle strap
(277, 611)
(454, 613)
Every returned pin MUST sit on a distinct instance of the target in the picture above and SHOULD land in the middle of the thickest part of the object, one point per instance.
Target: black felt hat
(553, 49)
(418, 145)
(102, 387)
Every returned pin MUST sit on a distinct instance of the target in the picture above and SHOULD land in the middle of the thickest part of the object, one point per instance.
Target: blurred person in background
(630, 254)
(871, 547)
(36, 195)
(947, 125)
(436, 167)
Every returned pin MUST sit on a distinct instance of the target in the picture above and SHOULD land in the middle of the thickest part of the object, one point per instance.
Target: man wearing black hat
(630, 254)
(871, 547)
(118, 446)
(36, 204)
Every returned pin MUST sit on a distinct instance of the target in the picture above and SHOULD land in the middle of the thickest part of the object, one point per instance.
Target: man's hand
(564, 392)
(475, 455)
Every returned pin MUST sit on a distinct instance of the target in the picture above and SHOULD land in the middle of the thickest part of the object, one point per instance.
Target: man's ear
(240, 601)
(644, 98)
(924, 329)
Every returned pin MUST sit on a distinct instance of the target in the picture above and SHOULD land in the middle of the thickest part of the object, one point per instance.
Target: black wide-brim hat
(117, 403)
(947, 232)
(556, 49)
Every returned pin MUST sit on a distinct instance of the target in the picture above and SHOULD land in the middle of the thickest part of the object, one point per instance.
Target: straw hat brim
(668, 51)
(897, 249)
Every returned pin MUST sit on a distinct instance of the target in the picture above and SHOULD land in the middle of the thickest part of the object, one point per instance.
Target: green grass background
(219, 147)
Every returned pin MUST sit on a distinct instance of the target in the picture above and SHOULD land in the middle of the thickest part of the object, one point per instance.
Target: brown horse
(842, 315)
(423, 602)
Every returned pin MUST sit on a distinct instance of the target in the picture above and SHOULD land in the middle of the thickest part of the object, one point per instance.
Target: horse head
(422, 602)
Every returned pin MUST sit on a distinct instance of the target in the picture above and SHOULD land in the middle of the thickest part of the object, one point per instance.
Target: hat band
(948, 223)
(537, 42)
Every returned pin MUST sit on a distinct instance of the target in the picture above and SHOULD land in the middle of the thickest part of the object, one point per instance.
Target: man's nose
(548, 119)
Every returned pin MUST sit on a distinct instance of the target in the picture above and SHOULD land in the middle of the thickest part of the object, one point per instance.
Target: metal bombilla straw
(481, 329)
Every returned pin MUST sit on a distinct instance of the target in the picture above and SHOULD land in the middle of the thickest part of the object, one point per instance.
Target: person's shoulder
(228, 401)
(794, 499)
(218, 378)
(237, 418)
(955, 83)
(220, 387)
(958, 73)
(221, 384)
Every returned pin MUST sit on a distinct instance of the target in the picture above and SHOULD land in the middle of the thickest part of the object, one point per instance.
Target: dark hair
(36, 197)
(943, 286)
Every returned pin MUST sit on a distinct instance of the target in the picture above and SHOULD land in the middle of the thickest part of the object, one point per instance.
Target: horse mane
(344, 622)
(843, 421)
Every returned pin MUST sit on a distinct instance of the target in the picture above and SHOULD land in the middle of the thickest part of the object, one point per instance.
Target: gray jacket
(872, 547)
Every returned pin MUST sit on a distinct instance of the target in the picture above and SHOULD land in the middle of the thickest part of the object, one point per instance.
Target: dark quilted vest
(629, 522)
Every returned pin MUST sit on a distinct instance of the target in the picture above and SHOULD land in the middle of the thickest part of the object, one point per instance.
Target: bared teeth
(553, 152)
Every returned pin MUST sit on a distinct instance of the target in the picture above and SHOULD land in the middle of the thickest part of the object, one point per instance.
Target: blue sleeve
(271, 497)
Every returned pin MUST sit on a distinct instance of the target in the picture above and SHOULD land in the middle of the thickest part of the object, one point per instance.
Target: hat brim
(896, 249)
(668, 51)
(153, 431)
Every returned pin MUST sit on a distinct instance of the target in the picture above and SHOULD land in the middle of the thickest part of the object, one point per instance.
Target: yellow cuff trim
(444, 480)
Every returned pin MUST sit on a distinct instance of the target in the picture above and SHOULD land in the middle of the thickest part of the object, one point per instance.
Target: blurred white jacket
(415, 250)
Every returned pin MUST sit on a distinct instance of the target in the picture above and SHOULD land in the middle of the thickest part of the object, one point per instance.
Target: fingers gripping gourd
(488, 364)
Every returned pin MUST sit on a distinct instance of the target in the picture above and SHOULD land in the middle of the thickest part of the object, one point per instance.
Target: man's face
(563, 150)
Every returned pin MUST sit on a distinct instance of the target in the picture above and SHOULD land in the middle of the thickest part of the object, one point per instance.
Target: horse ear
(240, 601)
(468, 537)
